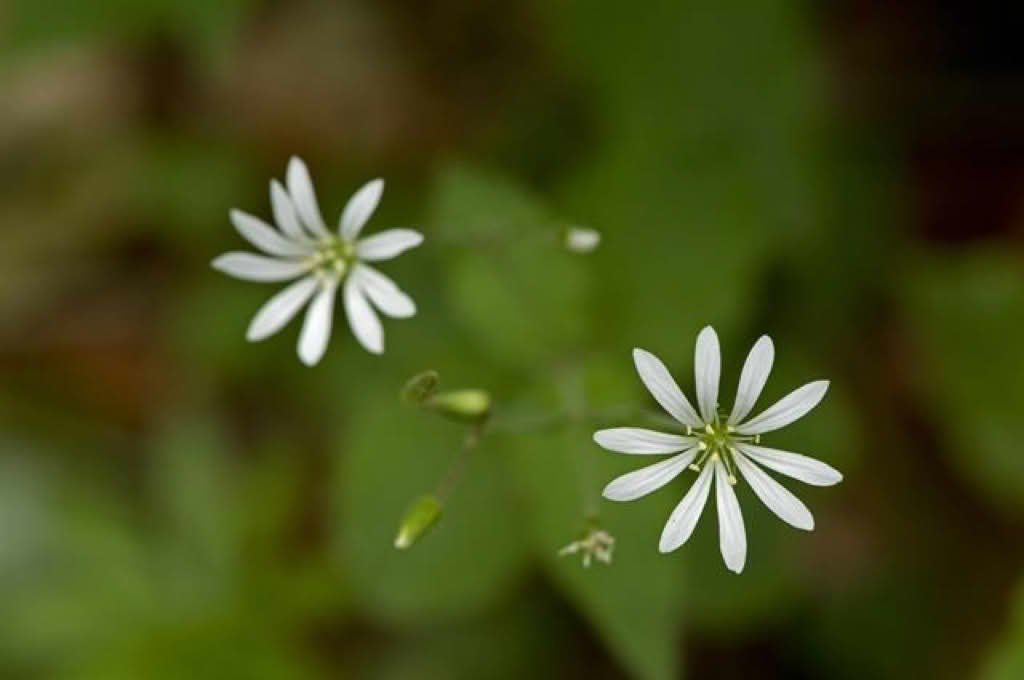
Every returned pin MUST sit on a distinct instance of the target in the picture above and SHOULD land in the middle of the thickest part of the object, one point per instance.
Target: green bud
(418, 519)
(465, 406)
(420, 387)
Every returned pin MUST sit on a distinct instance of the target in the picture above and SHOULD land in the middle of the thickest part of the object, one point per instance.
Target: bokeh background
(847, 176)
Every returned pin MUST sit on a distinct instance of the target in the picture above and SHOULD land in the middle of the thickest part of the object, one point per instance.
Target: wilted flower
(595, 543)
(302, 246)
(715, 445)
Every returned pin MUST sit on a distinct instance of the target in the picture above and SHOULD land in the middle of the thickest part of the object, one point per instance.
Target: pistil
(716, 442)
(333, 258)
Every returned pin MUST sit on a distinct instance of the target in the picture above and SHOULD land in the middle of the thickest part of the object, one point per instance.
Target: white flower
(581, 239)
(717, 445)
(595, 543)
(303, 247)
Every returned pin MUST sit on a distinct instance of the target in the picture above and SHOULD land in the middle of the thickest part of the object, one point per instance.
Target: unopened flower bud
(581, 239)
(465, 406)
(417, 521)
(420, 387)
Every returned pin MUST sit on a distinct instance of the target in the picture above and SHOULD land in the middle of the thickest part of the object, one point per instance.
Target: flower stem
(575, 399)
(458, 466)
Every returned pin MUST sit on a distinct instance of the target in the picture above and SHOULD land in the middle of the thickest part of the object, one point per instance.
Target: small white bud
(581, 239)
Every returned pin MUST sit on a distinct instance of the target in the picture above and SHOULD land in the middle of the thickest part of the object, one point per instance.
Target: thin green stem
(458, 466)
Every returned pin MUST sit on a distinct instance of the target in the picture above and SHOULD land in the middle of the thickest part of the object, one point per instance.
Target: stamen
(703, 448)
(730, 466)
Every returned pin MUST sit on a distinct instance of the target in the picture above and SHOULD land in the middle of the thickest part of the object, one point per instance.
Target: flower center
(716, 442)
(332, 258)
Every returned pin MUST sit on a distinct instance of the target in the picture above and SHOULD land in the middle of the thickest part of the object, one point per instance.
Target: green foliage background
(178, 503)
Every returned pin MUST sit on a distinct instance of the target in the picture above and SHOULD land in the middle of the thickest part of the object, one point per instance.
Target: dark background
(845, 176)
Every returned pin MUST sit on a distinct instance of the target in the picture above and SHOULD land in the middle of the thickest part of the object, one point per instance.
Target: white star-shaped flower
(303, 248)
(716, 446)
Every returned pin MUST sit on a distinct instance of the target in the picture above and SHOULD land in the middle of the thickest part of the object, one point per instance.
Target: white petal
(645, 480)
(259, 268)
(280, 309)
(638, 440)
(387, 244)
(359, 208)
(732, 537)
(284, 212)
(684, 518)
(707, 366)
(361, 317)
(383, 292)
(300, 186)
(316, 330)
(755, 374)
(265, 237)
(793, 465)
(791, 407)
(778, 498)
(664, 389)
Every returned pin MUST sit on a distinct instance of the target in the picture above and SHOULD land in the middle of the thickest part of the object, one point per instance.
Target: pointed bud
(581, 239)
(418, 519)
(464, 406)
(420, 387)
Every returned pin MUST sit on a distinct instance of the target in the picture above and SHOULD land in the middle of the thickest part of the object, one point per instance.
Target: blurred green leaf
(703, 174)
(194, 491)
(520, 294)
(182, 589)
(631, 604)
(527, 637)
(1005, 661)
(967, 313)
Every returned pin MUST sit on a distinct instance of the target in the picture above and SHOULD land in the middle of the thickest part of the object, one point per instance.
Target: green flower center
(717, 442)
(333, 257)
